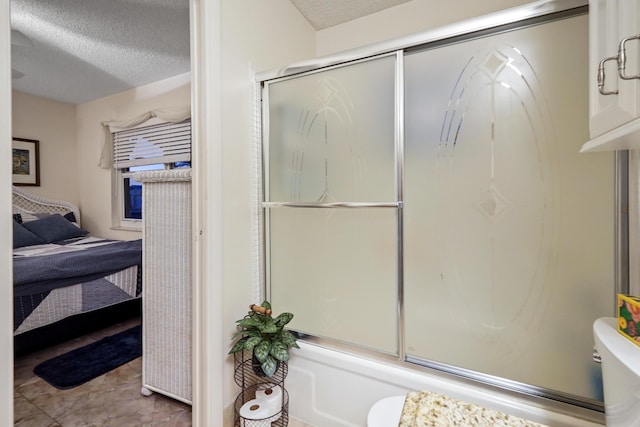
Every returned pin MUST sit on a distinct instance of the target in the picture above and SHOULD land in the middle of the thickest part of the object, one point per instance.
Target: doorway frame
(208, 396)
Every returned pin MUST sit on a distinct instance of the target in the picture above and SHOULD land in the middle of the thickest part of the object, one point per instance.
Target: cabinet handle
(622, 58)
(601, 88)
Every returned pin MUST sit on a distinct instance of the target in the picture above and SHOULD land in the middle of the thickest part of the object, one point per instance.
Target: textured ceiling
(86, 49)
(80, 50)
(327, 13)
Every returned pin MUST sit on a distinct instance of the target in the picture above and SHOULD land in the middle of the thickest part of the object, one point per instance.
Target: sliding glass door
(432, 204)
(508, 228)
(332, 206)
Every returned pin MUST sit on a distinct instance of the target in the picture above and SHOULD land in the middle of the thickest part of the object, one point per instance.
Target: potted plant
(265, 337)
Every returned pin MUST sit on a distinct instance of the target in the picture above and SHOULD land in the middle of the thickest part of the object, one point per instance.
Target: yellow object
(629, 317)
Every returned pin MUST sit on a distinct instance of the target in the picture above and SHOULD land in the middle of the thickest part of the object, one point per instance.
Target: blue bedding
(35, 274)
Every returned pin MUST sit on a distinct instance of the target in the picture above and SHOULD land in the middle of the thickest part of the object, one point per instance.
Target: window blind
(160, 143)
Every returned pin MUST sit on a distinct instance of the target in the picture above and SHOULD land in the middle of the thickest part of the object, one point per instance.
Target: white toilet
(386, 412)
(620, 374)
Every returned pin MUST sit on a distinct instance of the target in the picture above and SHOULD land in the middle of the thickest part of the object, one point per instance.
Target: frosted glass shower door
(508, 229)
(331, 203)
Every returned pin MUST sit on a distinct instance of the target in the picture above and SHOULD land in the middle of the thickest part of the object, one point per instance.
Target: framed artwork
(26, 161)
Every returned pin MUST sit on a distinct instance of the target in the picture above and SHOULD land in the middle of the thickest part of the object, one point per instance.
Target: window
(152, 147)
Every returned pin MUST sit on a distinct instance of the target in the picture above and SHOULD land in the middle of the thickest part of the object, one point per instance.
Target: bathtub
(334, 388)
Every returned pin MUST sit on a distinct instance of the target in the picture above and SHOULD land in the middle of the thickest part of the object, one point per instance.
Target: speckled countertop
(428, 409)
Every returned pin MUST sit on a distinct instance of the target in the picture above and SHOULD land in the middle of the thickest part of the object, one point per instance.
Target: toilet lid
(386, 412)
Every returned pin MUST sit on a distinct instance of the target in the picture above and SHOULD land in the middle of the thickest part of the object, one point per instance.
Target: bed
(66, 282)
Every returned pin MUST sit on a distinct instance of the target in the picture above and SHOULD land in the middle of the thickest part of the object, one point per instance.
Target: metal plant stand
(260, 395)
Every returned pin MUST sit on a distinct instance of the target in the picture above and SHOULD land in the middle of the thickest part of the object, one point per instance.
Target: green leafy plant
(265, 337)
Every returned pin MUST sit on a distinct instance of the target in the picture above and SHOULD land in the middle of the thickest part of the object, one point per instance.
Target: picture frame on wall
(26, 161)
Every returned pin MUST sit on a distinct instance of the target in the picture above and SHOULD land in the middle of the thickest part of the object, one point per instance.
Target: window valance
(169, 115)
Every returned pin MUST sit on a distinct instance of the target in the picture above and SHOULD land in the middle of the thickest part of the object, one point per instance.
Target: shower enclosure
(430, 203)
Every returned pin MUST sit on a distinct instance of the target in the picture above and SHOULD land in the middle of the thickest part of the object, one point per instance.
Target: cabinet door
(609, 22)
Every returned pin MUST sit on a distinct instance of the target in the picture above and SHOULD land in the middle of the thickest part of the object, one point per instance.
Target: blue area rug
(86, 363)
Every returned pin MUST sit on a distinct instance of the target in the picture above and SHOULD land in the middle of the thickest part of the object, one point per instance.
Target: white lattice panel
(167, 282)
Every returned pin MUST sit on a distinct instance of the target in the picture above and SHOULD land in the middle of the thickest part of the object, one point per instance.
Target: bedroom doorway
(194, 14)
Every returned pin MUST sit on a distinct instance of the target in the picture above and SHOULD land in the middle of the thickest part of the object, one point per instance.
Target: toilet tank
(620, 374)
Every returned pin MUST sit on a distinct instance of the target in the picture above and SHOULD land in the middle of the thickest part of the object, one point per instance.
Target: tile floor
(111, 400)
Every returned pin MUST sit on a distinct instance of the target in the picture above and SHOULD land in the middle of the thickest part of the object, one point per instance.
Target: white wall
(255, 36)
(94, 183)
(405, 19)
(52, 123)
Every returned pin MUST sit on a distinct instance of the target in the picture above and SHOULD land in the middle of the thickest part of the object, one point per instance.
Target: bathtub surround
(315, 398)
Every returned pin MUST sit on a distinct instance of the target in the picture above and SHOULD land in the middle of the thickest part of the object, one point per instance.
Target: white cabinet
(614, 91)
(166, 283)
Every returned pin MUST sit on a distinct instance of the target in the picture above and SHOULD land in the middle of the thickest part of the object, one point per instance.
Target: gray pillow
(54, 228)
(23, 237)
